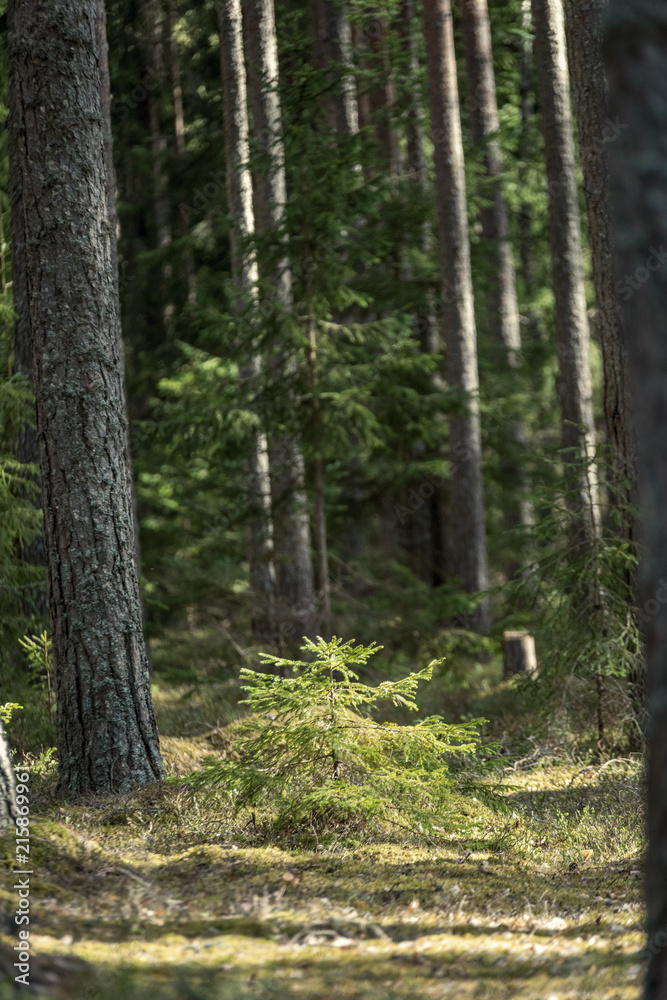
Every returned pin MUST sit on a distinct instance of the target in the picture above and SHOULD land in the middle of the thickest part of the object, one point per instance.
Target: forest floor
(161, 894)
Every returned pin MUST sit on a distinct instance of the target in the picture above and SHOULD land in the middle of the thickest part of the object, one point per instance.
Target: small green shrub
(38, 651)
(311, 756)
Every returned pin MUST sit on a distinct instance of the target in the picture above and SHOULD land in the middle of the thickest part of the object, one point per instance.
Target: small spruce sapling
(312, 757)
(38, 650)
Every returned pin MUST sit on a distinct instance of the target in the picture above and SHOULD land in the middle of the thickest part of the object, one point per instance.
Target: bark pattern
(636, 57)
(332, 37)
(8, 811)
(107, 737)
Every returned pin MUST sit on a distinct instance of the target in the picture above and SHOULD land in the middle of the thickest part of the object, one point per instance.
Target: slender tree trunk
(467, 542)
(155, 27)
(571, 320)
(503, 308)
(294, 563)
(244, 270)
(584, 22)
(107, 737)
(332, 38)
(382, 97)
(8, 811)
(179, 138)
(636, 59)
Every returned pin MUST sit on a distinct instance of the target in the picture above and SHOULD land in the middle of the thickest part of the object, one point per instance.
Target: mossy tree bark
(467, 558)
(571, 318)
(636, 57)
(260, 545)
(294, 561)
(107, 737)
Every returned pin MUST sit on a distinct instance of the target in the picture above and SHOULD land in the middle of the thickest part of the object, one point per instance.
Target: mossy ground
(164, 894)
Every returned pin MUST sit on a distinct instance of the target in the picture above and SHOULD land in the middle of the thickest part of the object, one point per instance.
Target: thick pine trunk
(467, 540)
(596, 130)
(244, 270)
(107, 737)
(294, 563)
(332, 45)
(571, 319)
(637, 72)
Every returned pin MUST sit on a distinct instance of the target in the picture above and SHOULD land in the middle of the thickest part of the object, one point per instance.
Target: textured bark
(636, 59)
(467, 541)
(179, 140)
(294, 563)
(503, 308)
(332, 49)
(571, 319)
(8, 813)
(35, 600)
(107, 737)
(584, 22)
(244, 272)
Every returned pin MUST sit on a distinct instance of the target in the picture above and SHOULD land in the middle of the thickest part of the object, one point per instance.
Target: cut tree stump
(519, 654)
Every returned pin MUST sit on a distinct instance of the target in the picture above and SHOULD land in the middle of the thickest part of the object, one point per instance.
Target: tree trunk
(107, 737)
(332, 49)
(527, 104)
(8, 812)
(382, 97)
(467, 543)
(518, 654)
(502, 302)
(294, 563)
(596, 130)
(179, 138)
(571, 319)
(636, 59)
(503, 308)
(244, 272)
(155, 29)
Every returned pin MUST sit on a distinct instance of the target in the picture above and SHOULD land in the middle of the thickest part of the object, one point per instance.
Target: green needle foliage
(312, 757)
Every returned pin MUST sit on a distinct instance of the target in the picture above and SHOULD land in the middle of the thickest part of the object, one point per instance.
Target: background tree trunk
(584, 22)
(294, 563)
(332, 49)
(637, 72)
(107, 737)
(467, 542)
(244, 270)
(571, 319)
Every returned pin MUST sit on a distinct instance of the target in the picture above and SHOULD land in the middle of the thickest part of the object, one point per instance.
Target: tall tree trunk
(467, 542)
(382, 97)
(244, 270)
(584, 23)
(636, 58)
(107, 737)
(332, 38)
(155, 29)
(503, 308)
(179, 139)
(502, 302)
(571, 319)
(294, 563)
